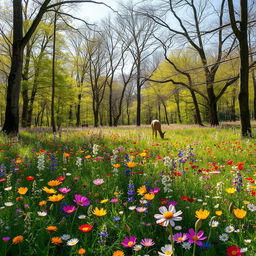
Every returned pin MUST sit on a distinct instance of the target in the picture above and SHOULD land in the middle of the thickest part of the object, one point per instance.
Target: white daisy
(214, 224)
(8, 189)
(65, 237)
(178, 227)
(72, 241)
(9, 204)
(168, 216)
(82, 217)
(251, 207)
(229, 229)
(42, 214)
(224, 237)
(137, 247)
(132, 208)
(186, 245)
(166, 250)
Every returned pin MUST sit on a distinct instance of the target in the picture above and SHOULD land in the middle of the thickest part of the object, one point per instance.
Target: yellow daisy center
(168, 253)
(168, 215)
(130, 243)
(195, 238)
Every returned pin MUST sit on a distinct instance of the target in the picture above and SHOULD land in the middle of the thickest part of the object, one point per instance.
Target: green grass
(201, 179)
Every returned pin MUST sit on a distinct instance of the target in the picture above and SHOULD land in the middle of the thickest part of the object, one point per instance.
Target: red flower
(30, 178)
(163, 201)
(41, 150)
(230, 162)
(61, 178)
(234, 250)
(85, 228)
(2, 180)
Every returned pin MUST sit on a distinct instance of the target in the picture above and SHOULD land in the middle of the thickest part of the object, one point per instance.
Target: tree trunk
(11, 124)
(165, 112)
(177, 100)
(128, 113)
(138, 105)
(110, 104)
(197, 110)
(53, 75)
(254, 87)
(213, 114)
(78, 113)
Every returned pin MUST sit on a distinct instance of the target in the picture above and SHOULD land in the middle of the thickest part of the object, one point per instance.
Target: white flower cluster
(167, 161)
(166, 181)
(219, 188)
(40, 162)
(78, 161)
(95, 149)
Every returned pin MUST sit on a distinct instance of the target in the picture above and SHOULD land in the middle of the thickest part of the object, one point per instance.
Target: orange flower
(118, 253)
(88, 157)
(54, 183)
(19, 160)
(19, 198)
(17, 239)
(49, 190)
(149, 196)
(116, 165)
(66, 154)
(52, 228)
(55, 198)
(56, 240)
(22, 190)
(131, 164)
(42, 203)
(81, 251)
(240, 213)
(142, 190)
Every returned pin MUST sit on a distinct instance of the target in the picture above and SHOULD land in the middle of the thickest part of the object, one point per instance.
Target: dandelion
(168, 216)
(99, 212)
(147, 242)
(239, 213)
(202, 214)
(56, 240)
(72, 242)
(17, 239)
(166, 250)
(195, 237)
(224, 237)
(234, 250)
(22, 190)
(129, 241)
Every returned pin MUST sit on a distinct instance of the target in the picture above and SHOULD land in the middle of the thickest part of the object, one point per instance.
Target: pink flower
(195, 237)
(64, 190)
(129, 241)
(81, 200)
(179, 237)
(114, 200)
(98, 182)
(147, 242)
(69, 208)
(154, 190)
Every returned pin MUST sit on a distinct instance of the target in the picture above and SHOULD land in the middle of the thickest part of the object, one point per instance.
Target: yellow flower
(99, 212)
(17, 239)
(230, 190)
(104, 201)
(131, 164)
(51, 228)
(142, 190)
(22, 190)
(116, 194)
(88, 157)
(66, 154)
(143, 154)
(239, 213)
(246, 202)
(218, 213)
(116, 165)
(55, 198)
(118, 253)
(54, 183)
(202, 214)
(149, 196)
(49, 190)
(19, 160)
(56, 240)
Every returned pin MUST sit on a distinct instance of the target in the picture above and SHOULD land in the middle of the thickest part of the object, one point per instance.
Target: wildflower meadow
(118, 192)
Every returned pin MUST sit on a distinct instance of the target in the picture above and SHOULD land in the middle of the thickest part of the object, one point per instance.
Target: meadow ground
(118, 191)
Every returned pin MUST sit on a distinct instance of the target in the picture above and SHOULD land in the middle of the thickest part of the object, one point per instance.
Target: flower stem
(194, 250)
(171, 239)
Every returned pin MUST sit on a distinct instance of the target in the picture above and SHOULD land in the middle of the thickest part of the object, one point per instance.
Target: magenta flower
(147, 242)
(179, 237)
(64, 190)
(6, 238)
(69, 208)
(81, 200)
(98, 182)
(154, 190)
(195, 237)
(129, 241)
(114, 200)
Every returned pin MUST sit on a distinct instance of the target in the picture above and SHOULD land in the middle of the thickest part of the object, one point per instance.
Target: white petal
(162, 209)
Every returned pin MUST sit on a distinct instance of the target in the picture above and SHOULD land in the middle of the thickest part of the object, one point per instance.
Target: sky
(95, 12)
